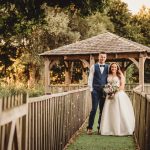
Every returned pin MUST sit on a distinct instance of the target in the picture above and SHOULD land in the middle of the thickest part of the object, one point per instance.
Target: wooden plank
(38, 123)
(3, 138)
(64, 121)
(36, 128)
(41, 124)
(70, 117)
(0, 105)
(52, 123)
(58, 124)
(44, 132)
(142, 122)
(12, 101)
(42, 98)
(12, 114)
(17, 136)
(147, 146)
(4, 105)
(24, 124)
(138, 107)
(29, 127)
(46, 123)
(47, 78)
(61, 108)
(32, 126)
(12, 130)
(0, 126)
(141, 72)
(109, 56)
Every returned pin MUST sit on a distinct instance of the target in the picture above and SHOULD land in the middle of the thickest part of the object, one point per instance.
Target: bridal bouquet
(110, 89)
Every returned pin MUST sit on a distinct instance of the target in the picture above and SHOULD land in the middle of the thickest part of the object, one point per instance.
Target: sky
(135, 5)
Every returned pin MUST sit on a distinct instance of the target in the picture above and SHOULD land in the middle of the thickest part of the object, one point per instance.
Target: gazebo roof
(108, 42)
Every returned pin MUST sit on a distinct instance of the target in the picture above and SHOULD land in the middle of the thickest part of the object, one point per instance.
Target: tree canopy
(28, 28)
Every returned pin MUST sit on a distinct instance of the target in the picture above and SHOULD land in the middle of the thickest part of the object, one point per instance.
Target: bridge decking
(82, 141)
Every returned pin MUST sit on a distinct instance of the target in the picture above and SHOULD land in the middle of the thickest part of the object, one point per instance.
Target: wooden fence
(141, 104)
(13, 122)
(52, 120)
(64, 88)
(48, 122)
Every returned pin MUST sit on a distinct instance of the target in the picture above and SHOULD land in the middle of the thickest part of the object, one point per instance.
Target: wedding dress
(117, 116)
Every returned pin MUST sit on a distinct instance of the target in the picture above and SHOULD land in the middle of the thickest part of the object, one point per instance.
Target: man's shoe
(89, 131)
(98, 132)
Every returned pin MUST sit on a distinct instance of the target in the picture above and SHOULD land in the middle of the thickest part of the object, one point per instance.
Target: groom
(96, 81)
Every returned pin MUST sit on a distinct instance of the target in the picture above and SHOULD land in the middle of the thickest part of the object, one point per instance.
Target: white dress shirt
(91, 76)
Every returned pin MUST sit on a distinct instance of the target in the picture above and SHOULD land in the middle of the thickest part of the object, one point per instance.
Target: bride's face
(114, 68)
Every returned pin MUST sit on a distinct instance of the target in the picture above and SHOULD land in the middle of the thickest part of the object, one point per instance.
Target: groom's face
(102, 58)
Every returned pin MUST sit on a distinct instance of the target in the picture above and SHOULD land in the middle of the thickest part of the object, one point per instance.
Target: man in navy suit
(96, 81)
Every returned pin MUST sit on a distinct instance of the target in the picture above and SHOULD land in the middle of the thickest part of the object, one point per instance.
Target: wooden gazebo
(117, 48)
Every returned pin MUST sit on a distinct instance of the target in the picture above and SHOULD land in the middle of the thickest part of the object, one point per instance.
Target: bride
(118, 116)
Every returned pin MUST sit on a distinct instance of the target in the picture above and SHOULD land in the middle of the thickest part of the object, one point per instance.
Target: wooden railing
(52, 120)
(141, 104)
(130, 87)
(147, 88)
(64, 88)
(13, 122)
(48, 122)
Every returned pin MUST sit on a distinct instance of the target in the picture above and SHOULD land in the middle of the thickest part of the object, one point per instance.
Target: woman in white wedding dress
(117, 116)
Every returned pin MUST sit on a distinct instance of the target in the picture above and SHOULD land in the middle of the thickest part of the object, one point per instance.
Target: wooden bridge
(48, 122)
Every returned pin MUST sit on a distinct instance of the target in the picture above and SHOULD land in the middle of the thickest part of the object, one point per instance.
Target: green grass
(37, 90)
(99, 142)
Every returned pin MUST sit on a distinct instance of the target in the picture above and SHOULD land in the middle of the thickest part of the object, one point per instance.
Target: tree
(86, 7)
(125, 24)
(98, 23)
(119, 15)
(14, 29)
(142, 20)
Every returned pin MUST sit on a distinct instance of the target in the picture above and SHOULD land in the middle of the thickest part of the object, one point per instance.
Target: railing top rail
(142, 93)
(64, 85)
(13, 113)
(137, 88)
(44, 97)
(132, 84)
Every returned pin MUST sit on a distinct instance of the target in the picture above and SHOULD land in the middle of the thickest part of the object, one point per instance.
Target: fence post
(25, 124)
(0, 113)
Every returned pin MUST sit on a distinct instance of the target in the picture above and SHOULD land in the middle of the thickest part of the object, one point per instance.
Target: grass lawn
(82, 141)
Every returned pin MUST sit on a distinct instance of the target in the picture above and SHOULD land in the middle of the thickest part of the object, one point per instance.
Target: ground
(82, 141)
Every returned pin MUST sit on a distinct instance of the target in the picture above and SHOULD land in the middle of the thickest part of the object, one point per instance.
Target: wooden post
(25, 98)
(47, 75)
(71, 69)
(123, 68)
(141, 71)
(92, 60)
(67, 73)
(0, 127)
(84, 75)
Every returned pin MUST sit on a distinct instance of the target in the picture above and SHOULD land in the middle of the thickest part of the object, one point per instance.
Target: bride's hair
(119, 72)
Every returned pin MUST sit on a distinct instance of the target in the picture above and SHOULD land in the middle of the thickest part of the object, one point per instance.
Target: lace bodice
(114, 79)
